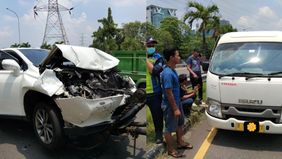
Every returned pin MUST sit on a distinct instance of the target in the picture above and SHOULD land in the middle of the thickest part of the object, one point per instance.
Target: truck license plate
(250, 127)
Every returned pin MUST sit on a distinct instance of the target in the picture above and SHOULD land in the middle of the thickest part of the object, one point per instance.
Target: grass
(150, 126)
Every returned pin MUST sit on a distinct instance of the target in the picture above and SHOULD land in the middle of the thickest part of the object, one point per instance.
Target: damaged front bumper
(90, 116)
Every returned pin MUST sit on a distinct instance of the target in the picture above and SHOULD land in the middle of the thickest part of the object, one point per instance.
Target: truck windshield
(36, 56)
(263, 58)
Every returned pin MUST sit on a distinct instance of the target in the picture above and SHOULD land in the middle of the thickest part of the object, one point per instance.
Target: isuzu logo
(250, 101)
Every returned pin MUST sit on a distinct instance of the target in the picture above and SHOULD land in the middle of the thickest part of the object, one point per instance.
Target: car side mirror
(9, 64)
(205, 66)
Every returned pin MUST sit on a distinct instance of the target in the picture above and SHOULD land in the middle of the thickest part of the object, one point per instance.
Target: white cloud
(245, 21)
(266, 12)
(128, 3)
(6, 34)
(79, 20)
(69, 3)
(279, 24)
(23, 2)
(264, 19)
(78, 29)
(8, 18)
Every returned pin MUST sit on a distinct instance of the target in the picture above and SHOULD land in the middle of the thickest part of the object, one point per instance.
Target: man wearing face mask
(154, 63)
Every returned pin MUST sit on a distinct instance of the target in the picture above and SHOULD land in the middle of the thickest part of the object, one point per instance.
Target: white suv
(75, 92)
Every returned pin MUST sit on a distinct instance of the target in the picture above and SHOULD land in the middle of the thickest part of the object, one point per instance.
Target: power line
(54, 29)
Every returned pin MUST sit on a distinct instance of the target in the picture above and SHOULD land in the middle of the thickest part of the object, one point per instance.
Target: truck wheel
(47, 126)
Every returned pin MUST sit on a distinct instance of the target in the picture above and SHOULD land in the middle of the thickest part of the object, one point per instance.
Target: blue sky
(243, 14)
(82, 21)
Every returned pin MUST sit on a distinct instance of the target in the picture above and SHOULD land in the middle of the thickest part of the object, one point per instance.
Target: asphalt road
(231, 145)
(17, 141)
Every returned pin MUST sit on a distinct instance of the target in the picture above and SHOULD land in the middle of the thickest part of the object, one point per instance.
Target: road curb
(158, 149)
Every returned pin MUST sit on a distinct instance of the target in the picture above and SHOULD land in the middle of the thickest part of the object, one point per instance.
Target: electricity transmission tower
(54, 29)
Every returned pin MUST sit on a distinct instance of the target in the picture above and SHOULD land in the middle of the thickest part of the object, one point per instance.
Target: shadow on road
(248, 141)
(17, 140)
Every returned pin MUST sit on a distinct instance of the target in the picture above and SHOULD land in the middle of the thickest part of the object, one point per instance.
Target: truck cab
(244, 82)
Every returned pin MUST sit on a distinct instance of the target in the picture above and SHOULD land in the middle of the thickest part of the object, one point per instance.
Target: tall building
(155, 14)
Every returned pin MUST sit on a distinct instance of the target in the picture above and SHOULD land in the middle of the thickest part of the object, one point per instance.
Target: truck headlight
(214, 108)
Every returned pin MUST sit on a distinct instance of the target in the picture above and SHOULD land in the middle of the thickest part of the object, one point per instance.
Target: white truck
(70, 94)
(244, 82)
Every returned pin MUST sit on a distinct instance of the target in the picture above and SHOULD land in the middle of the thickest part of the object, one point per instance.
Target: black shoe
(200, 102)
(159, 137)
(159, 141)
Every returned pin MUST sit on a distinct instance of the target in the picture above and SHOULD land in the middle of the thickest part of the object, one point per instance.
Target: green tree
(45, 45)
(15, 45)
(119, 38)
(219, 29)
(226, 28)
(176, 28)
(207, 15)
(105, 37)
(165, 40)
(135, 34)
(189, 42)
(26, 44)
(149, 30)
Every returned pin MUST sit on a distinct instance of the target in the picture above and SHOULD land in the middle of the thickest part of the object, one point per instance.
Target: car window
(36, 56)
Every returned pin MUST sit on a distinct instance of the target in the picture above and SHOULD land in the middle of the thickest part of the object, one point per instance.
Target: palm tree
(45, 45)
(208, 15)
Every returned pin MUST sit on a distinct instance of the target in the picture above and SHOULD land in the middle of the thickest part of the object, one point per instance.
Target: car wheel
(48, 126)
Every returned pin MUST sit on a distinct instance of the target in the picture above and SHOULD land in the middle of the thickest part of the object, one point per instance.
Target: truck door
(11, 100)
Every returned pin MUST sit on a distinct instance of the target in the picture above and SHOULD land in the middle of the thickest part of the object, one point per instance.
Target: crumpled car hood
(81, 57)
(87, 86)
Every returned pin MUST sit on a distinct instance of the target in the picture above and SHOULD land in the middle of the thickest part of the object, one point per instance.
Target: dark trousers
(187, 105)
(195, 82)
(154, 102)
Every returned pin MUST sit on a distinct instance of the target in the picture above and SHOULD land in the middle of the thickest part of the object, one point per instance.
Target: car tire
(47, 124)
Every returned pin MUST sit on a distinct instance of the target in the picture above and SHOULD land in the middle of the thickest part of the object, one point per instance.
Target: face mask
(151, 50)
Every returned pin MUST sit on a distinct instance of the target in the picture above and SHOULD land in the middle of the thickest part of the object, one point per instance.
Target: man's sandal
(185, 146)
(175, 154)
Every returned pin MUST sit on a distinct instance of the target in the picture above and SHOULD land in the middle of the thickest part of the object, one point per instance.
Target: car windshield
(36, 56)
(262, 58)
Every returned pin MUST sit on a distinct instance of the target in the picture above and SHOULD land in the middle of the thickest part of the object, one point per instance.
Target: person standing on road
(154, 63)
(194, 67)
(171, 105)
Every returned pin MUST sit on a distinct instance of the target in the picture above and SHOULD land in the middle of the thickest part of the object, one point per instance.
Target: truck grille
(251, 112)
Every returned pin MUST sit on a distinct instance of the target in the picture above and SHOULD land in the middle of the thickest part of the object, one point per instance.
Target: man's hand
(195, 75)
(149, 64)
(196, 89)
(177, 112)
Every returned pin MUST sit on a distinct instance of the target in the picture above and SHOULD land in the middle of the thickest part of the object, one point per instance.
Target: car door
(11, 100)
